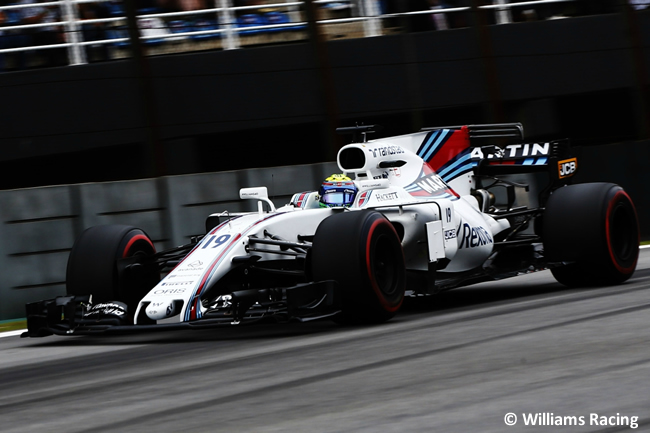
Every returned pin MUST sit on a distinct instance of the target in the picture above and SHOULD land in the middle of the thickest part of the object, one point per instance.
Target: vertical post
(327, 89)
(502, 15)
(493, 89)
(76, 53)
(294, 12)
(227, 19)
(371, 23)
(147, 94)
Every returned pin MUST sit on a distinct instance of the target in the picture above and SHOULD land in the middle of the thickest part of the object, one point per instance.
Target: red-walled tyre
(362, 251)
(93, 265)
(593, 226)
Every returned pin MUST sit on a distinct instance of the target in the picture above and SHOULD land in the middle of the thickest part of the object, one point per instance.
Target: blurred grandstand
(75, 32)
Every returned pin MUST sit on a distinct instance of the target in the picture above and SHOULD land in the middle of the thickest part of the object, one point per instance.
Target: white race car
(408, 215)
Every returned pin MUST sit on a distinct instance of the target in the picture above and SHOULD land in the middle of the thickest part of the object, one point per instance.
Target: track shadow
(473, 296)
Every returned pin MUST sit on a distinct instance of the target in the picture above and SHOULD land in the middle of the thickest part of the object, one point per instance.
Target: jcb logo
(567, 167)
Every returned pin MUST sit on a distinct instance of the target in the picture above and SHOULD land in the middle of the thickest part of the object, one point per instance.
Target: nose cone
(158, 310)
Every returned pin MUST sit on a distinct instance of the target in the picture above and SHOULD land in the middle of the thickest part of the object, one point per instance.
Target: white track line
(12, 333)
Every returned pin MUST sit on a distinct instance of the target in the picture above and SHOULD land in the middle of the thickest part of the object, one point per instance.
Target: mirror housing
(259, 193)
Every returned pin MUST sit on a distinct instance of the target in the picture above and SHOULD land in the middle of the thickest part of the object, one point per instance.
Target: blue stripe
(434, 148)
(188, 311)
(426, 145)
(462, 170)
(243, 233)
(528, 161)
(451, 165)
(541, 161)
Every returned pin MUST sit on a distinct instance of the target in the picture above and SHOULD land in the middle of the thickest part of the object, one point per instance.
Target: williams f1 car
(409, 215)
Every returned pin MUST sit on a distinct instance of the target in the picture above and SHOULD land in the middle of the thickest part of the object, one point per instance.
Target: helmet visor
(341, 198)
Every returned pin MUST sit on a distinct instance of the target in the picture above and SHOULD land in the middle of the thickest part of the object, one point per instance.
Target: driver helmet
(336, 191)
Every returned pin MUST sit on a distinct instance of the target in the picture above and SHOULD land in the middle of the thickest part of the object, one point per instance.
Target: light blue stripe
(427, 144)
(460, 171)
(453, 166)
(443, 134)
(541, 161)
(529, 161)
(188, 312)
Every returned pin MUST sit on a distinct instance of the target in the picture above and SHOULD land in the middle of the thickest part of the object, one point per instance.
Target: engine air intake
(352, 158)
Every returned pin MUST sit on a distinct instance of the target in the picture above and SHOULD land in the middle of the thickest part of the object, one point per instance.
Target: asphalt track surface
(459, 362)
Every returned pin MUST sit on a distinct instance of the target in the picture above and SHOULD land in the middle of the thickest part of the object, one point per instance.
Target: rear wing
(490, 151)
(498, 149)
(522, 158)
(488, 131)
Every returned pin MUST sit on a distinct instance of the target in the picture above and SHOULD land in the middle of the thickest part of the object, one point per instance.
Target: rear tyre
(362, 251)
(594, 226)
(93, 265)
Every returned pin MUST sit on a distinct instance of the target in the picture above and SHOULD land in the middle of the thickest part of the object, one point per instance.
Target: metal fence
(77, 26)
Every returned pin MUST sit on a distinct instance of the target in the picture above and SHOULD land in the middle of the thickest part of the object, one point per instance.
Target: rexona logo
(473, 237)
(567, 167)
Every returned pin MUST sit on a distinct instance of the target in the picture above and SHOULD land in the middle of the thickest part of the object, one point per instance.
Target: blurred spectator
(4, 38)
(146, 6)
(438, 21)
(458, 19)
(11, 39)
(191, 5)
(46, 35)
(94, 31)
(639, 4)
(529, 15)
(166, 6)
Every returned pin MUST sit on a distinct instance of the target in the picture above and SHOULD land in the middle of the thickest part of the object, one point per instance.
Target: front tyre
(362, 251)
(594, 226)
(93, 265)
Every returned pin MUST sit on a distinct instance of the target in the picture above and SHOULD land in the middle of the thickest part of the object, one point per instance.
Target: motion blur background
(176, 96)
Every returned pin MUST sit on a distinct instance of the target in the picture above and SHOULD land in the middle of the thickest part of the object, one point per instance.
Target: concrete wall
(38, 226)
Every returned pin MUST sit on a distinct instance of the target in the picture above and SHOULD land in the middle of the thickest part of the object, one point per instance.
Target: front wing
(76, 315)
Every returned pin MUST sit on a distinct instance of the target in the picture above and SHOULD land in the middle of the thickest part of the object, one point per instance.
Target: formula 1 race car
(409, 215)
